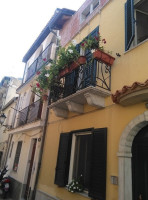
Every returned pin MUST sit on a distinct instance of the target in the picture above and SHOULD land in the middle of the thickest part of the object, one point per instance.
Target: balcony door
(140, 165)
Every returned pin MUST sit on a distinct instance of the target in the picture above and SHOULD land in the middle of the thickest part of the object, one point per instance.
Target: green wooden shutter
(90, 68)
(69, 86)
(97, 188)
(63, 160)
(129, 23)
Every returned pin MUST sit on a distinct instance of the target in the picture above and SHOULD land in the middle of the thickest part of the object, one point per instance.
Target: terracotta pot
(81, 61)
(104, 57)
(64, 72)
(45, 97)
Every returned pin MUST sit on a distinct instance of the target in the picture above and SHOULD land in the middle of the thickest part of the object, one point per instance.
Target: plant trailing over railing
(49, 77)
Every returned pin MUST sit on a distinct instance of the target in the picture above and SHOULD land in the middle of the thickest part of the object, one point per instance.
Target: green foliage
(75, 185)
(93, 43)
(48, 76)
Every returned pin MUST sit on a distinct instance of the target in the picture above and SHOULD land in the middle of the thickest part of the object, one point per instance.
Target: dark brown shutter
(97, 188)
(63, 160)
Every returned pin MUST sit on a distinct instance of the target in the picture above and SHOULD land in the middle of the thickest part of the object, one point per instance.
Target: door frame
(32, 154)
(124, 155)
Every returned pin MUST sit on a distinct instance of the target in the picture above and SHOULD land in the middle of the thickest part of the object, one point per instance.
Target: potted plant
(95, 44)
(75, 185)
(69, 59)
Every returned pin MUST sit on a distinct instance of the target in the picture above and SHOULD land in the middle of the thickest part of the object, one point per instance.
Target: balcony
(44, 58)
(30, 114)
(90, 83)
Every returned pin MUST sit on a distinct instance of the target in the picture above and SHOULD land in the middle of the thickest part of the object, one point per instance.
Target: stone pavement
(5, 199)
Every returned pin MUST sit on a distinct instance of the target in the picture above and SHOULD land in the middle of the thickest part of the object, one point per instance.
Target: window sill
(84, 194)
(134, 47)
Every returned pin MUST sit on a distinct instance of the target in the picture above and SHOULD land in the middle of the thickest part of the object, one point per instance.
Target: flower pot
(64, 72)
(104, 57)
(44, 97)
(81, 61)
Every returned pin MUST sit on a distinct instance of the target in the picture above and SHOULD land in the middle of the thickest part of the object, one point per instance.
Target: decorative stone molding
(75, 103)
(124, 155)
(95, 100)
(75, 107)
(59, 112)
(128, 95)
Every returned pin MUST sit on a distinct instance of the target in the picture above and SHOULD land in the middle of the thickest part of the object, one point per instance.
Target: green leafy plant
(92, 43)
(67, 55)
(48, 76)
(75, 185)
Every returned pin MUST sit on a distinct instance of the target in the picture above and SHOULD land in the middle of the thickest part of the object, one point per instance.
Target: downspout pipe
(41, 151)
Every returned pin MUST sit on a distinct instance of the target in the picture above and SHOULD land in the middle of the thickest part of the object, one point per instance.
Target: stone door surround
(124, 155)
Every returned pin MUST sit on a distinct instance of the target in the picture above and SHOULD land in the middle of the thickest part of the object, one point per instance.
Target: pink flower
(38, 72)
(97, 38)
(44, 59)
(104, 41)
(38, 85)
(82, 44)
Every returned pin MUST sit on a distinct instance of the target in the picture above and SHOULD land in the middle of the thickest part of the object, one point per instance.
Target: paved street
(5, 199)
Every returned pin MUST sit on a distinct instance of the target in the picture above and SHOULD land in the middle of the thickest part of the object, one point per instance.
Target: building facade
(28, 130)
(8, 98)
(97, 124)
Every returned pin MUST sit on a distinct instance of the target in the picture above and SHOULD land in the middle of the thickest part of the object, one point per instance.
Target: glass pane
(82, 159)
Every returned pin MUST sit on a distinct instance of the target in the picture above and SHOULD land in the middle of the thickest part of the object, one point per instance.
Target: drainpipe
(41, 152)
(43, 140)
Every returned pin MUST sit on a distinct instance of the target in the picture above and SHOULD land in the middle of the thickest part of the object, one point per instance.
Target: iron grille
(94, 73)
(30, 113)
(43, 59)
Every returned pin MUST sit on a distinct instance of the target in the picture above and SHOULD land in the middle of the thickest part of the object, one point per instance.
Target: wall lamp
(2, 119)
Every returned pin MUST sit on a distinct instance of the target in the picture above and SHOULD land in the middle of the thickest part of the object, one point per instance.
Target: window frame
(131, 24)
(17, 156)
(73, 150)
(97, 185)
(89, 10)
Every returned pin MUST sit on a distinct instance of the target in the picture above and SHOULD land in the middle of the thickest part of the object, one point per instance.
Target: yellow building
(97, 126)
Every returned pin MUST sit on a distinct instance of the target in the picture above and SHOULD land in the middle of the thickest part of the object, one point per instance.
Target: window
(136, 22)
(83, 152)
(17, 156)
(11, 149)
(81, 157)
(1, 155)
(88, 10)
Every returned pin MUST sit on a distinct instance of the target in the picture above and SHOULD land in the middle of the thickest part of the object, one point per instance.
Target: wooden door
(28, 188)
(140, 165)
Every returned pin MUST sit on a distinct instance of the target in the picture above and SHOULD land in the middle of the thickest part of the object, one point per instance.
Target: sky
(21, 21)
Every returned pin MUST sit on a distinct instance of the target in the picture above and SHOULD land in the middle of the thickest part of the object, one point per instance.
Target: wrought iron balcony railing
(30, 113)
(94, 73)
(43, 59)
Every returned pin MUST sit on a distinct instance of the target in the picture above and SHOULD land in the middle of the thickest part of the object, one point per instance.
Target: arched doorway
(125, 155)
(140, 165)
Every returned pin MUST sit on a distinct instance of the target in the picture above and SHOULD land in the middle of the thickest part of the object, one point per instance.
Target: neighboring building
(28, 131)
(8, 97)
(101, 130)
(8, 86)
(9, 110)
